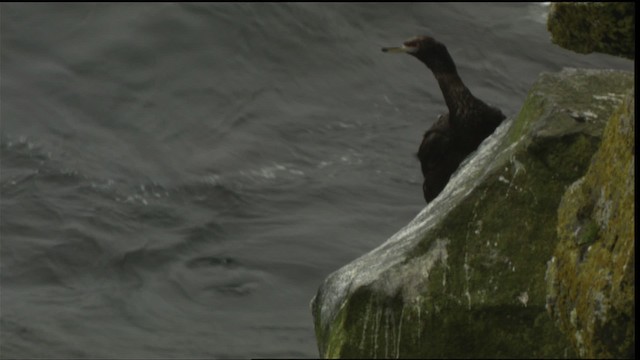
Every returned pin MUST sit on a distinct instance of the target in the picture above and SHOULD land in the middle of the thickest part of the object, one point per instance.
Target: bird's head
(428, 50)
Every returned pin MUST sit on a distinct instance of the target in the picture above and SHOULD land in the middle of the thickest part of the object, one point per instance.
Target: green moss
(591, 283)
(589, 27)
(531, 110)
(388, 330)
(589, 234)
(566, 156)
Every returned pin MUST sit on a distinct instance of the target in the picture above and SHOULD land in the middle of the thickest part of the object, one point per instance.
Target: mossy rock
(591, 279)
(606, 27)
(466, 278)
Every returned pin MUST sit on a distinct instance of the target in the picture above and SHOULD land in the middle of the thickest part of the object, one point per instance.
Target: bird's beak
(401, 49)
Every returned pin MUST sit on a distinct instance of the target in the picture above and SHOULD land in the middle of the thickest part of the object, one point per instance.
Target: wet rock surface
(466, 278)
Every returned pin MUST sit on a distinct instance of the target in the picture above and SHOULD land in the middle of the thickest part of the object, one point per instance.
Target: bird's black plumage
(456, 134)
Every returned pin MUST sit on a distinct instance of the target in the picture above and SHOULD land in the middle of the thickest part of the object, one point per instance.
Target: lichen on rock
(466, 278)
(591, 279)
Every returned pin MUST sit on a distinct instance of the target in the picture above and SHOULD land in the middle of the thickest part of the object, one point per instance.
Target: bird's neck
(456, 95)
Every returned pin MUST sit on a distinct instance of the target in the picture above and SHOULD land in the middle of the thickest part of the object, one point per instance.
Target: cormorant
(456, 134)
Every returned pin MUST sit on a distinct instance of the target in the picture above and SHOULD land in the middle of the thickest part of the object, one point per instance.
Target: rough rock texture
(607, 27)
(591, 277)
(466, 278)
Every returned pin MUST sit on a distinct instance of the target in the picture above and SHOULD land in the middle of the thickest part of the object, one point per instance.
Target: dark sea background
(178, 179)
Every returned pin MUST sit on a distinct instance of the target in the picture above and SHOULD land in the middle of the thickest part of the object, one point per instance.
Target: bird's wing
(433, 149)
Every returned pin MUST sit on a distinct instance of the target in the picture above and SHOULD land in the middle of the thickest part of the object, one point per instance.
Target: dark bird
(456, 134)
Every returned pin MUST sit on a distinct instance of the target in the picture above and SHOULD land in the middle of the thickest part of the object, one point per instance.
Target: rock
(591, 278)
(607, 27)
(466, 277)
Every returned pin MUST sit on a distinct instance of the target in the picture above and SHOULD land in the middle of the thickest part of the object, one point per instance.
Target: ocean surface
(178, 179)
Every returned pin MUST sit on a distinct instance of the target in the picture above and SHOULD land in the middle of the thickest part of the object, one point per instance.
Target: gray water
(178, 179)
